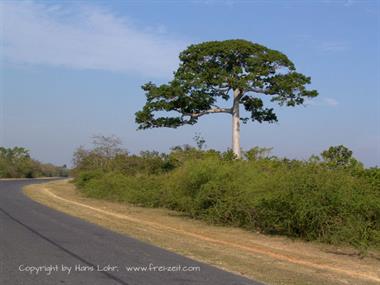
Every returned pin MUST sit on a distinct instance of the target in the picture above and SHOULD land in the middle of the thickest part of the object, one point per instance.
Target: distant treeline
(17, 163)
(331, 198)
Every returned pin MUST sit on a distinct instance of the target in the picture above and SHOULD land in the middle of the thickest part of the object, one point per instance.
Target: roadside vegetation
(329, 198)
(17, 163)
(251, 254)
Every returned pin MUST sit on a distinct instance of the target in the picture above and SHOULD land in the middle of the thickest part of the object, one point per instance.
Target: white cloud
(85, 37)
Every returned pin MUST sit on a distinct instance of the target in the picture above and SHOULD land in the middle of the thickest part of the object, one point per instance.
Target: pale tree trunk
(236, 124)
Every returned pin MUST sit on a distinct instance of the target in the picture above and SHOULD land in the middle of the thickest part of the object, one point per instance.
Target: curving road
(39, 246)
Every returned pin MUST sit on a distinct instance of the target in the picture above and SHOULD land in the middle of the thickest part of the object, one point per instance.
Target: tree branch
(257, 90)
(210, 111)
(241, 94)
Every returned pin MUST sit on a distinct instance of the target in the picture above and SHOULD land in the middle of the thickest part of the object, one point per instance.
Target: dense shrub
(319, 204)
(114, 186)
(309, 200)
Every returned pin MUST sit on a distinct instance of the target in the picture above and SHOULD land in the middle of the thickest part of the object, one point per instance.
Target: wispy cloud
(321, 45)
(330, 102)
(345, 3)
(349, 3)
(85, 37)
(333, 46)
(215, 2)
(323, 101)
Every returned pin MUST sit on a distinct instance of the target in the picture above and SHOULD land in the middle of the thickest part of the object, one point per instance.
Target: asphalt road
(34, 237)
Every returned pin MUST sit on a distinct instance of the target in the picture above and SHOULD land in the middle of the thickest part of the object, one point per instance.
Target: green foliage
(114, 186)
(104, 151)
(315, 203)
(107, 155)
(85, 176)
(303, 199)
(340, 157)
(211, 71)
(17, 163)
(256, 153)
(372, 175)
(228, 155)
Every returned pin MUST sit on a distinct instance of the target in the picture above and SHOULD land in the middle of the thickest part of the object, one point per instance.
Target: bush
(113, 186)
(324, 205)
(308, 200)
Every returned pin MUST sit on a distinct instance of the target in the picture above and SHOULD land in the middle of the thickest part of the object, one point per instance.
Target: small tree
(200, 141)
(337, 155)
(232, 70)
(99, 157)
(340, 157)
(16, 162)
(107, 147)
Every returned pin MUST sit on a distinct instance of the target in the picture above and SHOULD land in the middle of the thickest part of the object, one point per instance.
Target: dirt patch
(273, 260)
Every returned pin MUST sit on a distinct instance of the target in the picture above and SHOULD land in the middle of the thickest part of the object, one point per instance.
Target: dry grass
(273, 260)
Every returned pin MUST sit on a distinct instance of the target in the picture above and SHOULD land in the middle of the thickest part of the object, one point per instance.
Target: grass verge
(273, 260)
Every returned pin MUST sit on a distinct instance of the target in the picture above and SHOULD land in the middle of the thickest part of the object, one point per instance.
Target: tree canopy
(210, 71)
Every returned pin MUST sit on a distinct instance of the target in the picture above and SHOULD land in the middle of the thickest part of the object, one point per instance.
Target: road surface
(39, 245)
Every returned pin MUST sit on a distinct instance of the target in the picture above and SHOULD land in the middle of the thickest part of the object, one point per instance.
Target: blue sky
(70, 70)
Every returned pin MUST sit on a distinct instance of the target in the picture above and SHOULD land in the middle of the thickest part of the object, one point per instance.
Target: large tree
(209, 73)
